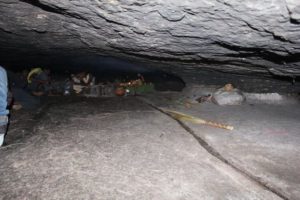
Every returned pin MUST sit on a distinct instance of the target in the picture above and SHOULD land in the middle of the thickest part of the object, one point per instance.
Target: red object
(120, 91)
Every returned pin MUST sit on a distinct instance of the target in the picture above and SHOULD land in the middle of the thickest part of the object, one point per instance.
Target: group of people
(40, 83)
(37, 82)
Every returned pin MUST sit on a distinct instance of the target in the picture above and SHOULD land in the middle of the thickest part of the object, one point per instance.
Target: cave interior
(222, 121)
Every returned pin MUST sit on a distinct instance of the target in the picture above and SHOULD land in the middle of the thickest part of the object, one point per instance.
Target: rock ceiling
(252, 37)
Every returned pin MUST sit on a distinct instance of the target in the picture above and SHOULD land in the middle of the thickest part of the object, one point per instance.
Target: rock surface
(263, 144)
(222, 97)
(237, 36)
(113, 148)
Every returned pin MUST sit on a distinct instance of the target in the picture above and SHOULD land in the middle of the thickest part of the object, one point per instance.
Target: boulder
(224, 97)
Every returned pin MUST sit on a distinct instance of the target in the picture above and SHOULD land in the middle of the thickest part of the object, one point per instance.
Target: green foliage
(145, 88)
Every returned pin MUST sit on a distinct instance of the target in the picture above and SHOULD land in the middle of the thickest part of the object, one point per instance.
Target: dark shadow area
(105, 69)
(107, 74)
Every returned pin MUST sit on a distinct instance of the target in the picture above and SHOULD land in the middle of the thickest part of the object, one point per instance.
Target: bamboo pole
(184, 117)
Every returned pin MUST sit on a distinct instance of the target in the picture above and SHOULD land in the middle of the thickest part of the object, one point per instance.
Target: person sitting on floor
(39, 81)
(82, 80)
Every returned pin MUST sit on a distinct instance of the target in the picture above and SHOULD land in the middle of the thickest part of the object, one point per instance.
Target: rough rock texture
(236, 36)
(222, 97)
(113, 148)
(264, 142)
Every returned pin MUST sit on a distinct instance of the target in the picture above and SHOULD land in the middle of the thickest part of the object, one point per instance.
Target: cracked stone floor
(121, 148)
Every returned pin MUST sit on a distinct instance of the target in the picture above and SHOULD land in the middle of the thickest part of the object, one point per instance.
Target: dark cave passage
(105, 69)
(150, 99)
(167, 77)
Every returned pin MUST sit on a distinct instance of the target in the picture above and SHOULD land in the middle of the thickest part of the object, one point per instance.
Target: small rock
(232, 97)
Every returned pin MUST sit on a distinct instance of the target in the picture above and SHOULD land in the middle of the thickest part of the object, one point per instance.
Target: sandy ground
(121, 148)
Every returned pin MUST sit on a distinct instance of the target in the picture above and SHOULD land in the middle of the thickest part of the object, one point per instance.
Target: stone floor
(122, 148)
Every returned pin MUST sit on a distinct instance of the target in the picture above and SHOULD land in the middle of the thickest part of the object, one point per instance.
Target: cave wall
(247, 37)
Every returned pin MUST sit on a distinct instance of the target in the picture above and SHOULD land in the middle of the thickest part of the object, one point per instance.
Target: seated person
(39, 81)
